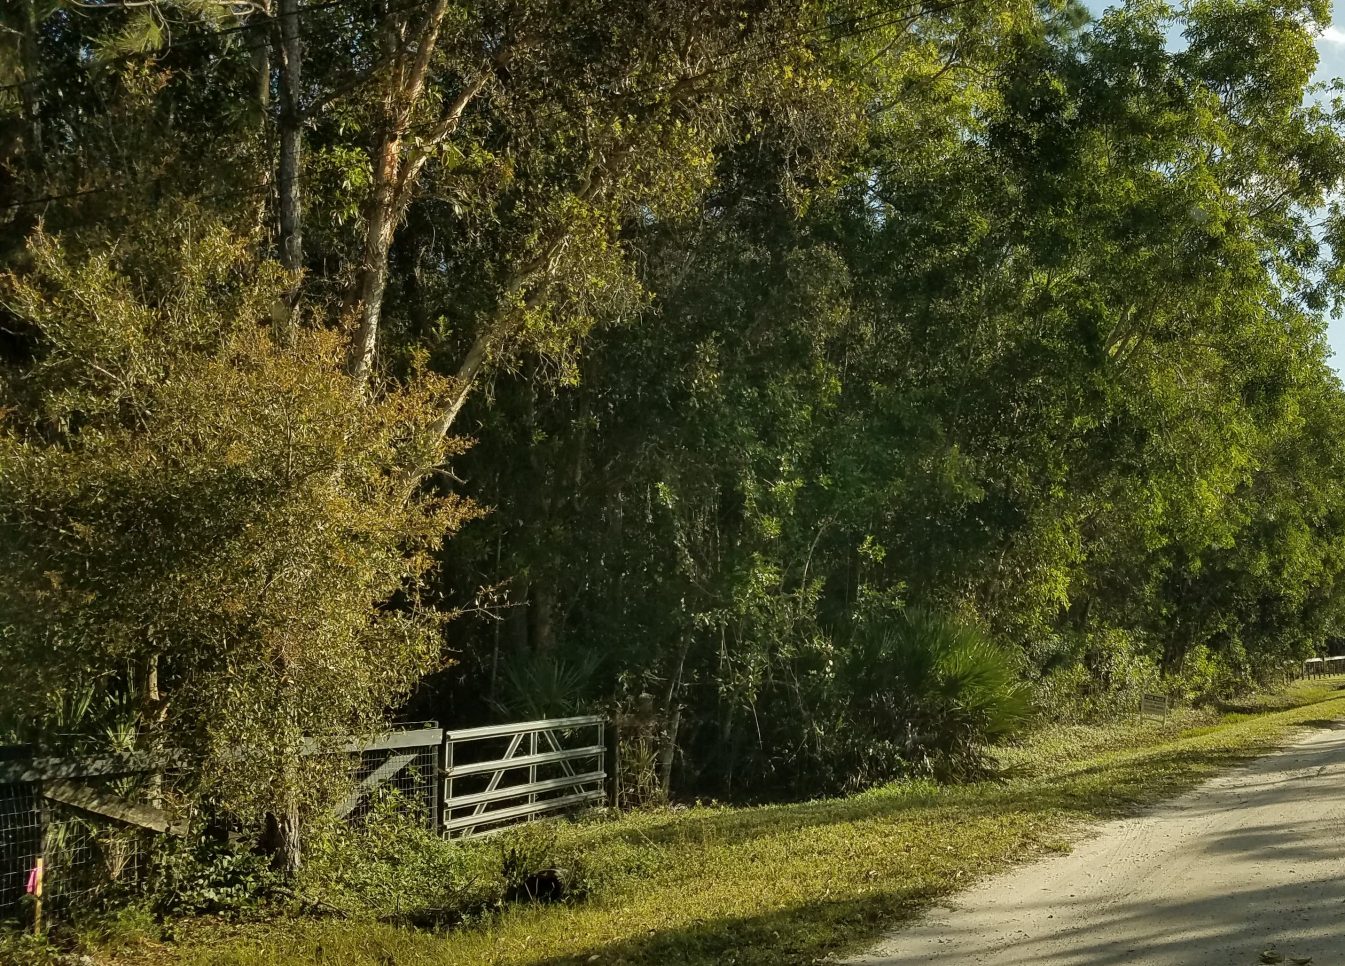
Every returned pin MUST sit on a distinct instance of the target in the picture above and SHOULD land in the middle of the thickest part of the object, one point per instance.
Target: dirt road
(1251, 863)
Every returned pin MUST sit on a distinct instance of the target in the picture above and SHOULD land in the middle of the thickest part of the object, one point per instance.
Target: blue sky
(1331, 49)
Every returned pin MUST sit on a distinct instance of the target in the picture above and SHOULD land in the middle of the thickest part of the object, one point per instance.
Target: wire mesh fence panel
(77, 859)
(402, 780)
(90, 860)
(20, 845)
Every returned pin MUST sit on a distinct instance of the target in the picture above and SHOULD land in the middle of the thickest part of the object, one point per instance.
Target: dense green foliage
(199, 523)
(825, 370)
(1047, 355)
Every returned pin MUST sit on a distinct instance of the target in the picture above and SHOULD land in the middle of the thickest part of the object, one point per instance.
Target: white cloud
(1333, 35)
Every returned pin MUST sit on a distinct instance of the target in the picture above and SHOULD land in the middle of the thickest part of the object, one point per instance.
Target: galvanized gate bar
(532, 788)
(522, 811)
(522, 761)
(502, 730)
(495, 779)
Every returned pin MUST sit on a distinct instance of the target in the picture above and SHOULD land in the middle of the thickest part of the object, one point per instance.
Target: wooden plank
(531, 788)
(378, 776)
(421, 737)
(522, 811)
(500, 731)
(523, 761)
(107, 766)
(393, 740)
(98, 802)
(43, 769)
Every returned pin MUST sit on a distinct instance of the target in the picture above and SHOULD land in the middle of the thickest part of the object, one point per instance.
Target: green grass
(792, 883)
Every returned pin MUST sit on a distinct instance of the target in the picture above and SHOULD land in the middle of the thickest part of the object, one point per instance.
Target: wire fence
(77, 859)
(20, 842)
(405, 779)
(80, 833)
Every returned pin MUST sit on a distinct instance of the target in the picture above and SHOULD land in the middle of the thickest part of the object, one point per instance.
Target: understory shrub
(906, 694)
(209, 877)
(924, 695)
(391, 865)
(1233, 672)
(391, 861)
(537, 686)
(25, 949)
(1098, 675)
(1108, 671)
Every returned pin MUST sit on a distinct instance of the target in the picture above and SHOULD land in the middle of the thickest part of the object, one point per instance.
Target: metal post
(446, 786)
(610, 736)
(532, 769)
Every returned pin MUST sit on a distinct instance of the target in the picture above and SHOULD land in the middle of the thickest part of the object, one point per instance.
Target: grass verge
(791, 884)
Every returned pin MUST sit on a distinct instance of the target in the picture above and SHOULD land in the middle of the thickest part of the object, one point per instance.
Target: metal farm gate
(503, 774)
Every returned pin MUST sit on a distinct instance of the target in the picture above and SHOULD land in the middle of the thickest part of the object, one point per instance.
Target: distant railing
(500, 775)
(1317, 666)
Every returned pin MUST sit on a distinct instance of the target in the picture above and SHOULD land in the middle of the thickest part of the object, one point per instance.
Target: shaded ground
(1252, 862)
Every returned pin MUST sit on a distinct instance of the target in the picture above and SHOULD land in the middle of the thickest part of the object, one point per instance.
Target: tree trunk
(372, 275)
(152, 714)
(542, 616)
(289, 858)
(467, 373)
(291, 155)
(516, 628)
(667, 752)
(395, 174)
(395, 171)
(32, 69)
(260, 52)
(1174, 656)
(672, 713)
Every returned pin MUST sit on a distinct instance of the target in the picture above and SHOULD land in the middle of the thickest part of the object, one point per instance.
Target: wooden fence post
(39, 871)
(40, 862)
